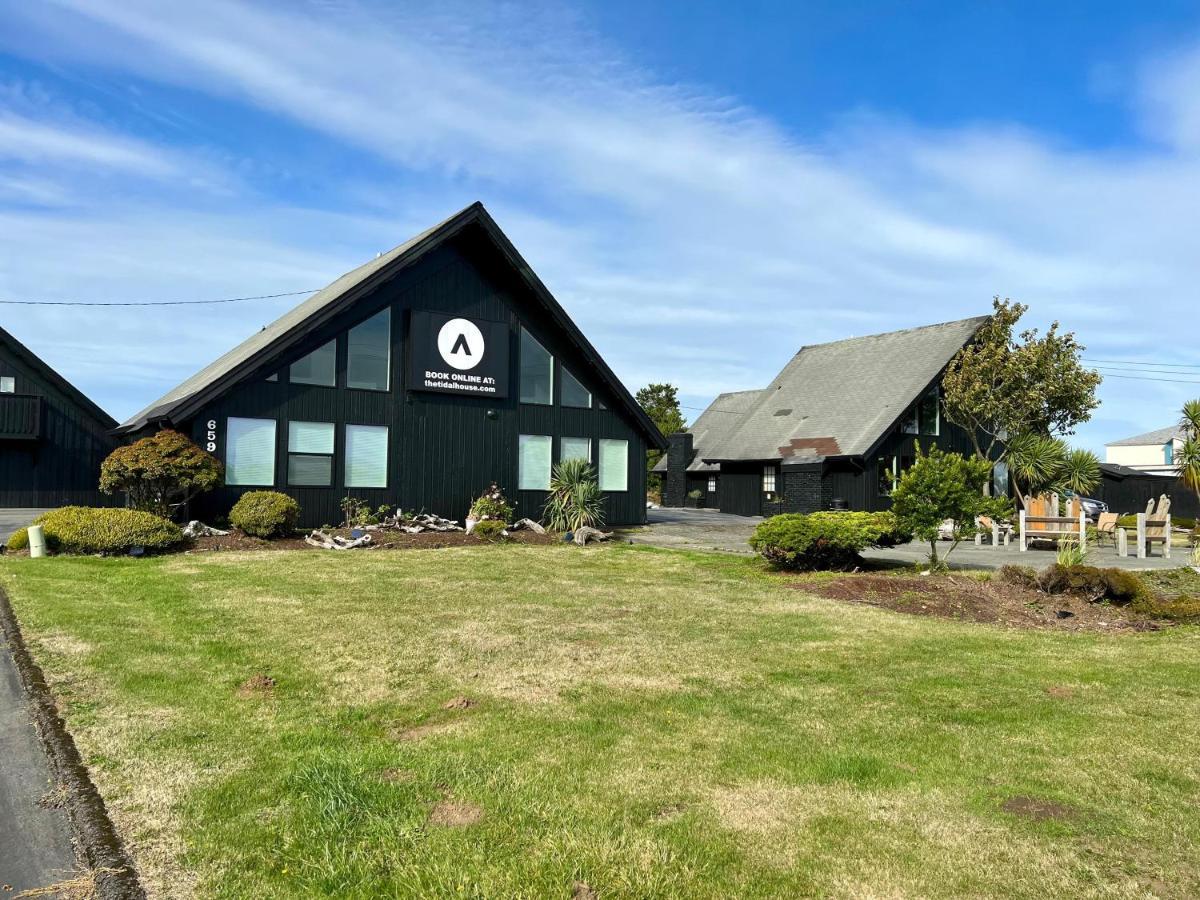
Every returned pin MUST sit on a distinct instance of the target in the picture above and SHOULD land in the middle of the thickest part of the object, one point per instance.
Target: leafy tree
(1039, 463)
(998, 387)
(943, 486)
(661, 403)
(1187, 458)
(160, 473)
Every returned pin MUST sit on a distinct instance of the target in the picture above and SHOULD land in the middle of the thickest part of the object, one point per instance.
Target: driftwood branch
(325, 541)
(585, 534)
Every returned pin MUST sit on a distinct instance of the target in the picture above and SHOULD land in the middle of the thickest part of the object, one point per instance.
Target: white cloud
(36, 142)
(694, 240)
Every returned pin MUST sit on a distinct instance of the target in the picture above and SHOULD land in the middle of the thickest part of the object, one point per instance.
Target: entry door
(740, 492)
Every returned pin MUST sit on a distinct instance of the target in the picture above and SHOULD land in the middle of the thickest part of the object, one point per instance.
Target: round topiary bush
(265, 514)
(83, 529)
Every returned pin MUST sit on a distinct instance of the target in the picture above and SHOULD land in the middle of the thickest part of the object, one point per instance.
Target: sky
(706, 187)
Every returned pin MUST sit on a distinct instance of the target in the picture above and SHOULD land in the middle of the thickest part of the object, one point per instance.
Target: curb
(96, 840)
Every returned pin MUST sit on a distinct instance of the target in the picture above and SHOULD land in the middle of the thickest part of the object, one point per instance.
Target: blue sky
(705, 186)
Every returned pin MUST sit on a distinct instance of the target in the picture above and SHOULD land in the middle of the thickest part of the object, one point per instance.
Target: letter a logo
(460, 343)
(461, 346)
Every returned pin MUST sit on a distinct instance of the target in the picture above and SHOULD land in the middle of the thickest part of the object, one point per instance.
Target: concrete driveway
(15, 519)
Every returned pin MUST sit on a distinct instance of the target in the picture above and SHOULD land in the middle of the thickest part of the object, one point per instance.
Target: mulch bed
(971, 600)
(387, 540)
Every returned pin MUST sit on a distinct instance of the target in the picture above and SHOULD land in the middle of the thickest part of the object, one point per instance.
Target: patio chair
(1153, 527)
(1000, 531)
(1106, 527)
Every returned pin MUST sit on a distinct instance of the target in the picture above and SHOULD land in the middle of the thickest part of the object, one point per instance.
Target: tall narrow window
(575, 448)
(1168, 449)
(537, 371)
(768, 479)
(310, 454)
(533, 463)
(319, 367)
(368, 353)
(366, 456)
(573, 393)
(250, 452)
(929, 413)
(1000, 479)
(887, 475)
(712, 484)
(8, 384)
(614, 465)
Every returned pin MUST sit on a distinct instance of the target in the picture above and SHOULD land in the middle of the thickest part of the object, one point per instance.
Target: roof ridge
(865, 337)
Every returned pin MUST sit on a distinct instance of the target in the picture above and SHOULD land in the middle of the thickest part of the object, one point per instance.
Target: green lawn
(649, 723)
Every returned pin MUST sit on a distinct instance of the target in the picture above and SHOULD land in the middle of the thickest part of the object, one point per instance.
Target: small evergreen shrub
(85, 529)
(824, 540)
(492, 504)
(489, 530)
(265, 514)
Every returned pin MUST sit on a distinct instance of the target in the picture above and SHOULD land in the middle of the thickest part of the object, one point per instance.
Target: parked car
(1091, 506)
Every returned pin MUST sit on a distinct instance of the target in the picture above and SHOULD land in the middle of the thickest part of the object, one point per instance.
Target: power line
(152, 302)
(1149, 378)
(1138, 363)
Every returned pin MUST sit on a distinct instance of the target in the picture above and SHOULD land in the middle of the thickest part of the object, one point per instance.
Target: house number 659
(211, 446)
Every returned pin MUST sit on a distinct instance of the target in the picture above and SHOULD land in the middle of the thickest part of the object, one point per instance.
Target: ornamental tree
(941, 487)
(998, 387)
(1039, 464)
(160, 473)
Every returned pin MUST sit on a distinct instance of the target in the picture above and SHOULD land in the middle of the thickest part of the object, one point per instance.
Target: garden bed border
(97, 843)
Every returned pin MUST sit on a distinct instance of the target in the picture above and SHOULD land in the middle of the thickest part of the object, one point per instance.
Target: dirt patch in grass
(455, 814)
(973, 600)
(1038, 810)
(460, 702)
(581, 890)
(259, 685)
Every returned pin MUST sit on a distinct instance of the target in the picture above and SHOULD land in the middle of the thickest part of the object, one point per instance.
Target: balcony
(20, 417)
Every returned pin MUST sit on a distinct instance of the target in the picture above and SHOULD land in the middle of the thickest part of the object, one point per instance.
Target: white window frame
(8, 384)
(346, 455)
(571, 437)
(327, 454)
(625, 467)
(525, 479)
(712, 484)
(230, 465)
(768, 479)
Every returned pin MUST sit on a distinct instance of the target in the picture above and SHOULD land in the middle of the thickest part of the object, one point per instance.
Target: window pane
(929, 413)
(537, 371)
(575, 448)
(8, 385)
(887, 480)
(312, 471)
(712, 484)
(574, 393)
(614, 465)
(250, 452)
(768, 481)
(310, 437)
(366, 455)
(912, 424)
(533, 463)
(368, 353)
(319, 367)
(1000, 479)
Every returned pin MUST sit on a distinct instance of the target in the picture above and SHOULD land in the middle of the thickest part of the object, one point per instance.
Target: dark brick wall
(679, 457)
(805, 489)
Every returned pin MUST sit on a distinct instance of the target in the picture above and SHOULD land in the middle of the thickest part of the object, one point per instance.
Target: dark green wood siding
(443, 449)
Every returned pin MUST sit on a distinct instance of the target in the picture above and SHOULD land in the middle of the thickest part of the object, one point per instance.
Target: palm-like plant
(1187, 457)
(1041, 463)
(575, 500)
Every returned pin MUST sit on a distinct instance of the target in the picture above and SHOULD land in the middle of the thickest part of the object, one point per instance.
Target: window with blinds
(8, 384)
(533, 462)
(368, 353)
(319, 367)
(310, 454)
(575, 448)
(250, 452)
(614, 465)
(366, 456)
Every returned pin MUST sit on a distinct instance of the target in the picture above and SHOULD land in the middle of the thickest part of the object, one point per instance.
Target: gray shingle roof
(835, 399)
(218, 376)
(1151, 438)
(714, 425)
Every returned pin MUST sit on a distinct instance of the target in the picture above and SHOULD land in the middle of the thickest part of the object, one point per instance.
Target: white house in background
(1152, 452)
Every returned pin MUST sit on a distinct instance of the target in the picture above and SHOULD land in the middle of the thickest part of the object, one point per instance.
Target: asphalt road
(13, 519)
(35, 842)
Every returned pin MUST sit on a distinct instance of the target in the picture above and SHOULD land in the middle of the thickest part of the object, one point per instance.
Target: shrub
(575, 500)
(265, 514)
(160, 472)
(358, 512)
(84, 529)
(1069, 553)
(1021, 576)
(1116, 585)
(489, 530)
(492, 504)
(824, 540)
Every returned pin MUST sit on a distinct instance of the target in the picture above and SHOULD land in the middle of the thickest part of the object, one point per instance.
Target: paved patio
(13, 519)
(707, 529)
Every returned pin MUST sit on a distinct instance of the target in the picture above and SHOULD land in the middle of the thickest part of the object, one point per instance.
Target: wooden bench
(1153, 527)
(1053, 528)
(999, 530)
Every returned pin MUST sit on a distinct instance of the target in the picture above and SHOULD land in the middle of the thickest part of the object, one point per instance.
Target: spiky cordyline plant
(575, 500)
(1040, 463)
(1187, 458)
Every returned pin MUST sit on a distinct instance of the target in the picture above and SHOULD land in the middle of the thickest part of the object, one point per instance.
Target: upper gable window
(319, 367)
(573, 393)
(925, 416)
(537, 371)
(368, 353)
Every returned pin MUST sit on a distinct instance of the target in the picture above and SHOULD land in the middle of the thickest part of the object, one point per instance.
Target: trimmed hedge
(265, 514)
(824, 540)
(84, 529)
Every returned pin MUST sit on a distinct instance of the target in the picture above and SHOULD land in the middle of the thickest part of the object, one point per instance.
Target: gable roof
(836, 399)
(222, 374)
(715, 425)
(1158, 437)
(47, 374)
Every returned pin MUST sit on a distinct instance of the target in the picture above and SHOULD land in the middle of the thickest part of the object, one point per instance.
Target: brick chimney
(679, 457)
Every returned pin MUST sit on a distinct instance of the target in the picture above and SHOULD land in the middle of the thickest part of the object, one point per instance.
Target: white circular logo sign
(461, 344)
